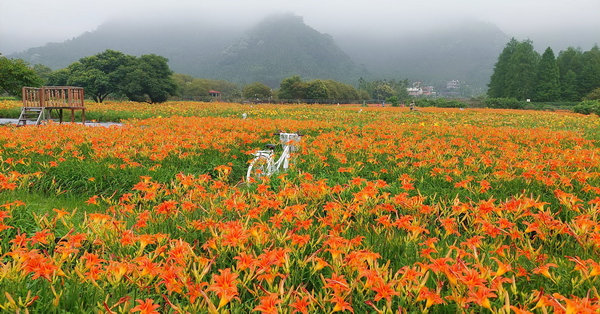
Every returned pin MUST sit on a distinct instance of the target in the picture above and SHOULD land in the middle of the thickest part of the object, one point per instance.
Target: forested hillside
(282, 46)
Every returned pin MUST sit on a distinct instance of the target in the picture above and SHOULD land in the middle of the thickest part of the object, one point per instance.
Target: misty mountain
(465, 51)
(283, 45)
(188, 44)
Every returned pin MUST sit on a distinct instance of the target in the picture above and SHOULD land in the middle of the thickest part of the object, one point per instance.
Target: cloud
(27, 23)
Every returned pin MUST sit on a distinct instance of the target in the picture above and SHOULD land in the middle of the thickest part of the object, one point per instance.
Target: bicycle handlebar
(297, 133)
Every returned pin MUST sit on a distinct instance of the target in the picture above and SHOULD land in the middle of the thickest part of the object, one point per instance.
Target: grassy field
(385, 210)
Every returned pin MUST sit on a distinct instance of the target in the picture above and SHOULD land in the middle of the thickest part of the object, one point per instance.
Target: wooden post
(41, 96)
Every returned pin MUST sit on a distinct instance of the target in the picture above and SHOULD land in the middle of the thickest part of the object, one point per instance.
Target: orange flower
(225, 286)
(245, 261)
(268, 304)
(431, 297)
(484, 185)
(93, 200)
(340, 304)
(481, 296)
(384, 291)
(545, 270)
(146, 307)
(300, 305)
(337, 282)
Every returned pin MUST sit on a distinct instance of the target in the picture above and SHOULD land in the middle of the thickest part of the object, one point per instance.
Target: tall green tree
(547, 83)
(568, 87)
(569, 64)
(522, 72)
(589, 77)
(498, 80)
(15, 74)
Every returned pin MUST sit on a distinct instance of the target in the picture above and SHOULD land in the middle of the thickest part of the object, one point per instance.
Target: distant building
(428, 91)
(214, 94)
(452, 89)
(417, 90)
(454, 84)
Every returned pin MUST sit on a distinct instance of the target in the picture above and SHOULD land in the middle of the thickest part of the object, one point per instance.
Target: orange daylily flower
(545, 270)
(430, 297)
(481, 296)
(300, 305)
(268, 304)
(340, 304)
(384, 291)
(146, 307)
(225, 286)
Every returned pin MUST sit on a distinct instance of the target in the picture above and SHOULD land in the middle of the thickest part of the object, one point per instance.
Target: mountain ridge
(283, 45)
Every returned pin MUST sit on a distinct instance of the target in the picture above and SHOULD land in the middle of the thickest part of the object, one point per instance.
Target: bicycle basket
(291, 139)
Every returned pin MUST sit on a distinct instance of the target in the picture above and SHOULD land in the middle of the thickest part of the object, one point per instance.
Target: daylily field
(385, 210)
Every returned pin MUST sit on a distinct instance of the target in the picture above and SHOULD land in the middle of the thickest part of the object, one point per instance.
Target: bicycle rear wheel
(259, 167)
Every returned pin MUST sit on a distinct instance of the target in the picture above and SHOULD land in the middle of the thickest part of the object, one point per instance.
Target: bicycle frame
(289, 143)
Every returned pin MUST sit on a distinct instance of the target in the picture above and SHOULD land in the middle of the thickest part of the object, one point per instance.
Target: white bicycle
(264, 164)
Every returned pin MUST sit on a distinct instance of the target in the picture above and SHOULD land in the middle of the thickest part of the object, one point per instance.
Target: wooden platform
(44, 100)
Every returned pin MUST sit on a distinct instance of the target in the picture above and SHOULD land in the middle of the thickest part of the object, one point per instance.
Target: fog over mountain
(282, 45)
(31, 23)
(431, 41)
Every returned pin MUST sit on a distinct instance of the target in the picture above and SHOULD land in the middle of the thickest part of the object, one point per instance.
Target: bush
(588, 107)
(504, 103)
(440, 103)
(393, 100)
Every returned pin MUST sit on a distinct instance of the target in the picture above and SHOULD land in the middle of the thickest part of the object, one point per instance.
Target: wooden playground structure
(40, 102)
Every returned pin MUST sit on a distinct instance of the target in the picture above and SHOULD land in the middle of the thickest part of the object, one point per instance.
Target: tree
(190, 87)
(256, 90)
(522, 72)
(593, 95)
(568, 87)
(42, 71)
(383, 91)
(569, 64)
(100, 75)
(96, 83)
(342, 92)
(59, 77)
(547, 82)
(148, 79)
(316, 90)
(497, 83)
(15, 74)
(589, 77)
(291, 88)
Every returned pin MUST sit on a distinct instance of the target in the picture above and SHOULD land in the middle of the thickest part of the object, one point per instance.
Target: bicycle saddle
(271, 146)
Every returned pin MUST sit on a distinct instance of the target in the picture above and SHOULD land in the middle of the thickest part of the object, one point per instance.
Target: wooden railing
(67, 97)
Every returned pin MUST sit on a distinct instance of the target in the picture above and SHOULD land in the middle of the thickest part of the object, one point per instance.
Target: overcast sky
(31, 23)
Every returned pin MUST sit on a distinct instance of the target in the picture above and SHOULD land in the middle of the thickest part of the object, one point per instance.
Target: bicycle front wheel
(259, 168)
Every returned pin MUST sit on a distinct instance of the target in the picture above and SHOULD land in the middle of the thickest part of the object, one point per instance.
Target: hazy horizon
(26, 24)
